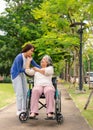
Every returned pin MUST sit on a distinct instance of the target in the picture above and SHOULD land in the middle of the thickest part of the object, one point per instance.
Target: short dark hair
(27, 47)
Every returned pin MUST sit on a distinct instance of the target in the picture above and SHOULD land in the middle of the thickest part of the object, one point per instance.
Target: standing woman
(19, 78)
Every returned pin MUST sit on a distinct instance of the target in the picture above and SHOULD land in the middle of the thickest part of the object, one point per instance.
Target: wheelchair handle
(30, 81)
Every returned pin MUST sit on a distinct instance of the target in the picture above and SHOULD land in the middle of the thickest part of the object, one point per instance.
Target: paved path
(72, 118)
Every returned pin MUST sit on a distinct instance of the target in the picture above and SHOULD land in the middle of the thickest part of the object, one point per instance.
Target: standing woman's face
(30, 52)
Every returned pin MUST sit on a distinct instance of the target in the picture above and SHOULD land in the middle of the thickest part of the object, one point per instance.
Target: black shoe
(32, 117)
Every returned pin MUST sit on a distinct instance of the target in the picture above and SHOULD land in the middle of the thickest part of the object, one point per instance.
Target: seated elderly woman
(42, 84)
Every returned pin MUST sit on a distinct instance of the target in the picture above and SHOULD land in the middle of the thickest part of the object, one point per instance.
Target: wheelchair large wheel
(59, 116)
(28, 103)
(28, 99)
(58, 103)
(23, 116)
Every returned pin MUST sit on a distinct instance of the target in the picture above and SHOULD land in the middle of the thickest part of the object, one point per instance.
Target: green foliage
(55, 19)
(46, 24)
(7, 79)
(19, 27)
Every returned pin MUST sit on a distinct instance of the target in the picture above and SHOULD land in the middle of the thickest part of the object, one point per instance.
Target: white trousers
(20, 88)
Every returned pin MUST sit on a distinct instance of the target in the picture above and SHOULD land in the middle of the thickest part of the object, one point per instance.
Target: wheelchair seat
(42, 95)
(42, 104)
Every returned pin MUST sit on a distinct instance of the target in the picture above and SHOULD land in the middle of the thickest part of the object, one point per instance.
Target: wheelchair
(24, 116)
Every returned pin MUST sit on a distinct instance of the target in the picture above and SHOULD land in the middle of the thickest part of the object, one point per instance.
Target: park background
(47, 25)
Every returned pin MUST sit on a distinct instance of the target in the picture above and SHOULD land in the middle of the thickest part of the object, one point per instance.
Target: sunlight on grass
(80, 101)
(7, 94)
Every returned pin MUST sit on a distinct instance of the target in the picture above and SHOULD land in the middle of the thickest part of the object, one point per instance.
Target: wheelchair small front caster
(23, 117)
(60, 119)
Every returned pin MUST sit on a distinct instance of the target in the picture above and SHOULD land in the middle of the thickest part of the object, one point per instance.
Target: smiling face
(28, 50)
(29, 53)
(46, 61)
(43, 63)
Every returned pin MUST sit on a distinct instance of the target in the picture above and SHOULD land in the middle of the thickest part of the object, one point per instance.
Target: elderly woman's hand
(41, 70)
(35, 68)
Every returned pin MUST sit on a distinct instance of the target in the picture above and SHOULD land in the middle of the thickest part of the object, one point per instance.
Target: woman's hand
(29, 59)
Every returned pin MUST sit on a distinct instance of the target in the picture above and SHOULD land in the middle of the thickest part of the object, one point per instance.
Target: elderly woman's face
(43, 62)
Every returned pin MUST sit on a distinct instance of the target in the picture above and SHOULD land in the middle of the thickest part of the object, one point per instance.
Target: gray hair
(48, 59)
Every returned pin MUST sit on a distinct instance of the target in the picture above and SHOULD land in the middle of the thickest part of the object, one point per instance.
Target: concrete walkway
(72, 118)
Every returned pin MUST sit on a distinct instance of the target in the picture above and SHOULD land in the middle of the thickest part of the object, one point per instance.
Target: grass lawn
(80, 101)
(7, 94)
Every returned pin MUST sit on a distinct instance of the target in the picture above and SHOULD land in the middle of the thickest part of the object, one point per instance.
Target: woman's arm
(42, 70)
(35, 64)
(29, 71)
(46, 71)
